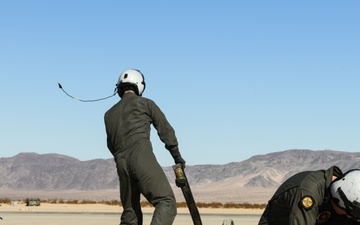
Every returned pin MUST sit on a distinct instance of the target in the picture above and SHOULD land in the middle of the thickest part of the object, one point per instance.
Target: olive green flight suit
(128, 138)
(304, 199)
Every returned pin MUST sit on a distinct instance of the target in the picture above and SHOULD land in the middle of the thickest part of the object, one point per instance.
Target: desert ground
(91, 214)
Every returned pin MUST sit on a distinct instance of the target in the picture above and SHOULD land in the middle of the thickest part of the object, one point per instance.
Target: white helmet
(345, 192)
(133, 79)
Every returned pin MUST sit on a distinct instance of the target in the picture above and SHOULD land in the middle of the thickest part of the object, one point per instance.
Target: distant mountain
(31, 171)
(271, 169)
(252, 180)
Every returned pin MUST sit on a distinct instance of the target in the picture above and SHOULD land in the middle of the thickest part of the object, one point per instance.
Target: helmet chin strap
(92, 100)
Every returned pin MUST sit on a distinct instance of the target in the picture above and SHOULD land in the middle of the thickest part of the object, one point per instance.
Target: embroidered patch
(307, 202)
(323, 217)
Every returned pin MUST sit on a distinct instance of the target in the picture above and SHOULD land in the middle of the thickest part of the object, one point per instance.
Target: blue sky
(234, 78)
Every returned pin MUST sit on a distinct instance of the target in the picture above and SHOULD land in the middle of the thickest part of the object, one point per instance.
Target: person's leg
(154, 185)
(129, 194)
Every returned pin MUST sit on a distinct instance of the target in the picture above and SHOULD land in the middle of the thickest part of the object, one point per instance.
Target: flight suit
(128, 139)
(304, 199)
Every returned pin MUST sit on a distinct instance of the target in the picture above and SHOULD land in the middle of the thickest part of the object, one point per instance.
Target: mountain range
(252, 180)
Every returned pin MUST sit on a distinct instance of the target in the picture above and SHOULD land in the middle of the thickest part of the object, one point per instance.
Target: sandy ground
(76, 214)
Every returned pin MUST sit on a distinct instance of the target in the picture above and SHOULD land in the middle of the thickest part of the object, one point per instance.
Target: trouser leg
(154, 185)
(165, 212)
(129, 195)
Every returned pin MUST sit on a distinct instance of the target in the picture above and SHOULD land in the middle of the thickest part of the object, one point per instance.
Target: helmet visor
(352, 208)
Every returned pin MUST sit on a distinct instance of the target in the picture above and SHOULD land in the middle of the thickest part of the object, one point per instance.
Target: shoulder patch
(307, 202)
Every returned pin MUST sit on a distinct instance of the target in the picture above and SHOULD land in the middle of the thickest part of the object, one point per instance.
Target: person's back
(128, 121)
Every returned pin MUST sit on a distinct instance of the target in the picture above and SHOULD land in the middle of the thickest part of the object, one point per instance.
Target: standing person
(326, 197)
(128, 139)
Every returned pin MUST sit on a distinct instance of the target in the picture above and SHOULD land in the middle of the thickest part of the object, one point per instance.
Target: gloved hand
(180, 160)
(177, 158)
